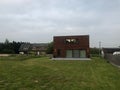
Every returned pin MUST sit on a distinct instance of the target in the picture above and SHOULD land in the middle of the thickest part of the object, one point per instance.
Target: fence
(114, 59)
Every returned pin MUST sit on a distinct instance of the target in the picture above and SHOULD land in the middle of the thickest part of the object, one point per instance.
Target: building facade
(35, 48)
(106, 51)
(71, 46)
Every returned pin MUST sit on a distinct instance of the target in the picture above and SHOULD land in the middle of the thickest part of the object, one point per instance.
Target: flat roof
(73, 36)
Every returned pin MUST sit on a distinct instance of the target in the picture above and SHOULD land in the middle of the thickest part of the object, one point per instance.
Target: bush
(8, 51)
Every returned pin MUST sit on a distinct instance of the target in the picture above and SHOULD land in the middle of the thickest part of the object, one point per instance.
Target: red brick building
(71, 46)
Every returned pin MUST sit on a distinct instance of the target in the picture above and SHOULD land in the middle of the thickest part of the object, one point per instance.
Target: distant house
(35, 48)
(39, 48)
(71, 46)
(24, 48)
(105, 51)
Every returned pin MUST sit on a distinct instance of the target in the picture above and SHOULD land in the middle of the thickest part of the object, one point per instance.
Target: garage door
(76, 53)
(69, 53)
(82, 54)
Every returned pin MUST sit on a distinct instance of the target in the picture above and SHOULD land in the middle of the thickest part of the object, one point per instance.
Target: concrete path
(71, 59)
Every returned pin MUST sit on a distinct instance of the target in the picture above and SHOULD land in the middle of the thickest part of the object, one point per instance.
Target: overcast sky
(37, 21)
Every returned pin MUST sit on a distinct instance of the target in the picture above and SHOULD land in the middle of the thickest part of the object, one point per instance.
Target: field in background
(40, 73)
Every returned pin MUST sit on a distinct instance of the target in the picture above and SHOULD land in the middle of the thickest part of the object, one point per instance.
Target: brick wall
(82, 43)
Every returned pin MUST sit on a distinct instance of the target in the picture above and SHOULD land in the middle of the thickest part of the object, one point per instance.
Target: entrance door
(82, 54)
(58, 53)
(69, 53)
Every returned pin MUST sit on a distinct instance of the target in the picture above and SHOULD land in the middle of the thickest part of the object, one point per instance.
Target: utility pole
(100, 48)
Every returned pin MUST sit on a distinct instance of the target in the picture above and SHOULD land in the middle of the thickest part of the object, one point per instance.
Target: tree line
(13, 48)
(10, 47)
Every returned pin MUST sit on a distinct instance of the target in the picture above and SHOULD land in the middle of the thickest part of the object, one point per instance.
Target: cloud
(13, 1)
(40, 20)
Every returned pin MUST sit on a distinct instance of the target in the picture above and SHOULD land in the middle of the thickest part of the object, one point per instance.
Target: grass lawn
(33, 73)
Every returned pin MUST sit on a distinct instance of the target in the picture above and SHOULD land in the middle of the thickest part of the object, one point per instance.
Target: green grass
(31, 73)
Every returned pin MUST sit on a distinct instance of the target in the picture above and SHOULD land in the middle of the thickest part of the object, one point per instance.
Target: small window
(71, 40)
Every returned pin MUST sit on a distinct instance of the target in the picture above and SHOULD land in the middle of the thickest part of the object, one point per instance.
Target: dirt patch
(4, 55)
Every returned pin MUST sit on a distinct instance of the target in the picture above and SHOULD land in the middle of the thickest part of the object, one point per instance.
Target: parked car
(116, 53)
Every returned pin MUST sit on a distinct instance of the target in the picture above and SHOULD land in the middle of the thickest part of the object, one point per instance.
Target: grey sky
(39, 20)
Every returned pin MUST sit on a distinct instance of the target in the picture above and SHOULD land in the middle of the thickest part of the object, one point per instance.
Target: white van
(116, 53)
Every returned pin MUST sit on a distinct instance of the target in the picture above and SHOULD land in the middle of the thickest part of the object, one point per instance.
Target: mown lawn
(40, 73)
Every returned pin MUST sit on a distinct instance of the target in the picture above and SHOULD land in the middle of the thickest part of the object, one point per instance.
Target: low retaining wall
(115, 59)
(4, 55)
